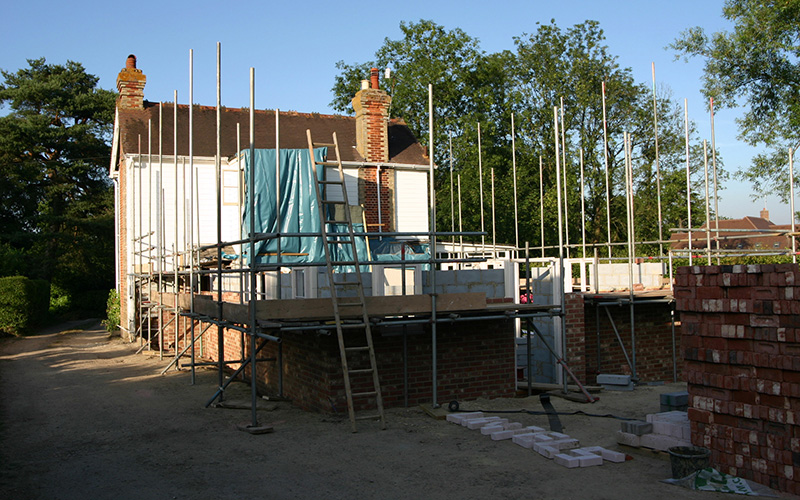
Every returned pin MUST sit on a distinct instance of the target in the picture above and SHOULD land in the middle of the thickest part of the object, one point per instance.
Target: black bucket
(688, 459)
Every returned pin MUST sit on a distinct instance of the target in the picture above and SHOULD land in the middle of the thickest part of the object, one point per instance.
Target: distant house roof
(133, 128)
(730, 239)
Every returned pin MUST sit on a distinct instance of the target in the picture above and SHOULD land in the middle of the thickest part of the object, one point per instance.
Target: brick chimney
(130, 85)
(764, 214)
(372, 120)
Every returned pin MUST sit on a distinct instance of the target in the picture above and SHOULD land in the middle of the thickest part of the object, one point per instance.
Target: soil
(83, 416)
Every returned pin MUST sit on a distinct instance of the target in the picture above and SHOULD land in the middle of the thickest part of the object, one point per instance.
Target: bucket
(688, 459)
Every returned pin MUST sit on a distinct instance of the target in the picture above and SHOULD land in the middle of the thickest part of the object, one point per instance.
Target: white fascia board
(113, 168)
(396, 166)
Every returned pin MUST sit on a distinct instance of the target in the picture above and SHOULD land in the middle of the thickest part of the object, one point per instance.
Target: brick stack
(741, 342)
(374, 192)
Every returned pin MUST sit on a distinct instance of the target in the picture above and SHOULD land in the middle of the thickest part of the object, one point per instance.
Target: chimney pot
(131, 62)
(374, 78)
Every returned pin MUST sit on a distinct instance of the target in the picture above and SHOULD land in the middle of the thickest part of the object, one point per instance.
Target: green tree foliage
(471, 87)
(56, 203)
(756, 64)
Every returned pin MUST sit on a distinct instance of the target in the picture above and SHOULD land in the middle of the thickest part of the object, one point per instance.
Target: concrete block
(567, 461)
(491, 428)
(564, 444)
(610, 379)
(534, 429)
(661, 442)
(502, 434)
(546, 451)
(637, 427)
(480, 422)
(510, 426)
(524, 440)
(674, 429)
(611, 456)
(587, 458)
(557, 435)
(457, 418)
(629, 439)
(542, 437)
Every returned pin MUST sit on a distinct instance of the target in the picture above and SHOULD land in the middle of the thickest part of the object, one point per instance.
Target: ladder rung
(344, 241)
(364, 394)
(323, 144)
(364, 370)
(328, 163)
(357, 349)
(343, 263)
(368, 417)
(352, 326)
(336, 222)
(331, 182)
(331, 202)
(346, 283)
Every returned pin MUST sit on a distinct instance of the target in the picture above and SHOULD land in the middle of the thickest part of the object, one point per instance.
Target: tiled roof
(403, 146)
(734, 239)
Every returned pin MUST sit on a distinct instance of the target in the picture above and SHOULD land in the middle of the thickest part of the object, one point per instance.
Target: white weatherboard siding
(350, 182)
(411, 201)
(154, 193)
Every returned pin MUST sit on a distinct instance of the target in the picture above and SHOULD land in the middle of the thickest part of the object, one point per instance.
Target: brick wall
(474, 359)
(369, 196)
(652, 328)
(741, 341)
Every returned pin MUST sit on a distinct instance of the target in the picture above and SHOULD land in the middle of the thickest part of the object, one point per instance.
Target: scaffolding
(166, 280)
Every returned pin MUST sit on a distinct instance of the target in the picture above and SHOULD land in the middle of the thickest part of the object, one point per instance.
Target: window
(230, 187)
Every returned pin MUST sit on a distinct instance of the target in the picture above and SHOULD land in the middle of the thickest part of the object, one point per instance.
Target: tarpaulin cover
(299, 210)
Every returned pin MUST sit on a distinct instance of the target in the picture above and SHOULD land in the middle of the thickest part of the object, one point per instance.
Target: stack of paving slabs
(559, 447)
(661, 431)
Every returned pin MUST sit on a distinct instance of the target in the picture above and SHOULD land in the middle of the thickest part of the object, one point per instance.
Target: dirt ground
(83, 416)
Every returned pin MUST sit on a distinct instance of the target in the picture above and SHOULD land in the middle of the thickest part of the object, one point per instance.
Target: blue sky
(295, 45)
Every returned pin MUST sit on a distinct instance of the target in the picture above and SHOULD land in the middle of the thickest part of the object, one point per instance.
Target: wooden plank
(207, 306)
(313, 309)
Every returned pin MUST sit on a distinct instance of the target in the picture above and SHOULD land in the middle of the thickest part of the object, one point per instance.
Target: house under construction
(304, 245)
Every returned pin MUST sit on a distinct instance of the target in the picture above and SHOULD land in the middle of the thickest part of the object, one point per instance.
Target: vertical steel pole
(631, 238)
(452, 191)
(708, 209)
(218, 166)
(149, 233)
(559, 319)
(432, 239)
(564, 173)
(583, 210)
(480, 187)
(514, 174)
(191, 207)
(528, 329)
(460, 221)
(541, 204)
(252, 250)
(791, 203)
(176, 288)
(658, 166)
(608, 183)
(688, 178)
(160, 237)
(714, 165)
(494, 227)
(278, 197)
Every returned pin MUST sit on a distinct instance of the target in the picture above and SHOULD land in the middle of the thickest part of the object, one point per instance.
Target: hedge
(23, 303)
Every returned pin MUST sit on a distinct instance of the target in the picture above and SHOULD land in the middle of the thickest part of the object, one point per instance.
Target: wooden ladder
(338, 245)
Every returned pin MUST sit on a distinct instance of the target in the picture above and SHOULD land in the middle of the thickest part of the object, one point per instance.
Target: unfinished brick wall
(474, 359)
(652, 328)
(371, 197)
(741, 342)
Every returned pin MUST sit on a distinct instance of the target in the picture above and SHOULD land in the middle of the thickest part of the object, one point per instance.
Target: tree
(472, 87)
(757, 62)
(56, 202)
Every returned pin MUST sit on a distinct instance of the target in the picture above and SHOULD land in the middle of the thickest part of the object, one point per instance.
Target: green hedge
(23, 303)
